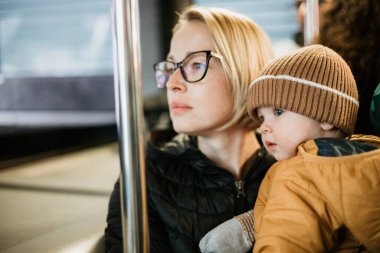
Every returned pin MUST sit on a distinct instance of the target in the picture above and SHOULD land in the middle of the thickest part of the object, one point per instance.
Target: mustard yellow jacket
(326, 199)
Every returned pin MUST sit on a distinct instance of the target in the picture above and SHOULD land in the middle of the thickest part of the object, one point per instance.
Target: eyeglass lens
(193, 68)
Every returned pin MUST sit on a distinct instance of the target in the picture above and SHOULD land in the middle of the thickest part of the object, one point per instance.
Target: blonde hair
(245, 48)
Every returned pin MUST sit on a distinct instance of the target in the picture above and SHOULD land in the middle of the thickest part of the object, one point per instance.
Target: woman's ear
(326, 126)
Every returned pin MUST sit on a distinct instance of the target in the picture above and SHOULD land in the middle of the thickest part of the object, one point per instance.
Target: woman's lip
(179, 107)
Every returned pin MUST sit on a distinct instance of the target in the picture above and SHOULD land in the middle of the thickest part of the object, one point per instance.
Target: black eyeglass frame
(179, 65)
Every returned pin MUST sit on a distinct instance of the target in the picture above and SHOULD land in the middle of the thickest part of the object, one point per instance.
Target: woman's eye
(277, 112)
(199, 66)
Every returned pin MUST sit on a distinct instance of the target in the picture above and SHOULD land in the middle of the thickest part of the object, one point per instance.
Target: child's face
(282, 131)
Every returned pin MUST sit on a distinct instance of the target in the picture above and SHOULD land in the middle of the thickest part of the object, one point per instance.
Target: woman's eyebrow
(171, 58)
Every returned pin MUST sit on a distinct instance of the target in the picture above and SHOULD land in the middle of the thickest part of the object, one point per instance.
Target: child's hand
(229, 237)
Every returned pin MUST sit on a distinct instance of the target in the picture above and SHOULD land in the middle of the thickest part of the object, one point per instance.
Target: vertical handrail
(311, 31)
(130, 126)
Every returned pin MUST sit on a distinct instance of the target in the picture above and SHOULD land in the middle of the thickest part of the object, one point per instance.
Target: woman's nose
(176, 82)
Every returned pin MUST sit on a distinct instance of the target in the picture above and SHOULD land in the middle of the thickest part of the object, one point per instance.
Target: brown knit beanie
(313, 81)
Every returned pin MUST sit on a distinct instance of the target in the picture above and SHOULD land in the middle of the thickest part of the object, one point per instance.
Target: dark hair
(352, 29)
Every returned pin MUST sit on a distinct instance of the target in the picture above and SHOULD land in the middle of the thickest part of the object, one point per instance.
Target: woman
(352, 29)
(212, 169)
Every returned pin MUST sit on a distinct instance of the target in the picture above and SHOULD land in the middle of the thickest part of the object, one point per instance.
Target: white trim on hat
(306, 82)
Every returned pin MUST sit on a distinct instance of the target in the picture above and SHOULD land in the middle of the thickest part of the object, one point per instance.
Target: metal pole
(311, 31)
(129, 115)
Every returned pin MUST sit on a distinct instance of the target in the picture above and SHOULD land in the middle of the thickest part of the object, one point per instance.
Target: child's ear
(326, 126)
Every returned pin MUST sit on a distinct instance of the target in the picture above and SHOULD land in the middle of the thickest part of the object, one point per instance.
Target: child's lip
(269, 144)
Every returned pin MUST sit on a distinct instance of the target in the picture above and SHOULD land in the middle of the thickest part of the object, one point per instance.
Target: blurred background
(56, 67)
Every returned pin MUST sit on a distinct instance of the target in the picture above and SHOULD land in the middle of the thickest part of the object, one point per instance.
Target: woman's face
(201, 107)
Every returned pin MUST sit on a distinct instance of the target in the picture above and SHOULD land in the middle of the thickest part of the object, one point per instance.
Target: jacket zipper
(240, 189)
(240, 199)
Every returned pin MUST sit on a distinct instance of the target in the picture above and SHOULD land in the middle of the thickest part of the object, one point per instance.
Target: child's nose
(265, 128)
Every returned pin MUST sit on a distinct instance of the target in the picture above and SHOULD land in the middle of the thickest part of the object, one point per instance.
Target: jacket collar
(336, 147)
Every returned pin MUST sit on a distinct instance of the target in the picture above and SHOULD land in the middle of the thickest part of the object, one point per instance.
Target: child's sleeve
(295, 219)
(234, 235)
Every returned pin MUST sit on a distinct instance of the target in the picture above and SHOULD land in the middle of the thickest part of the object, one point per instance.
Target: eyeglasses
(193, 68)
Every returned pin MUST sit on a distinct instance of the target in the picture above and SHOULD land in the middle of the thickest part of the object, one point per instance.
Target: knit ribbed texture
(246, 222)
(313, 81)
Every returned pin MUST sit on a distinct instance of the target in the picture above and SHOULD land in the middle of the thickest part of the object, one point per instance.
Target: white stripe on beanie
(306, 82)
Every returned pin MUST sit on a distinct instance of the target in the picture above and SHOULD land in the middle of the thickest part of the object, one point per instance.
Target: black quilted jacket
(188, 195)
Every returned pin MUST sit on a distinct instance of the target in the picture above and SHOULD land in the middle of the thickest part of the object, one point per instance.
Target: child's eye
(277, 112)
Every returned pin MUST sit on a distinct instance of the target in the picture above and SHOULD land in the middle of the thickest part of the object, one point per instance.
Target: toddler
(323, 194)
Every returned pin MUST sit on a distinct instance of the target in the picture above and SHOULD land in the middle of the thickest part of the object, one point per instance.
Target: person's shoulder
(318, 162)
(171, 155)
(286, 167)
(169, 142)
(339, 147)
(370, 140)
(325, 157)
